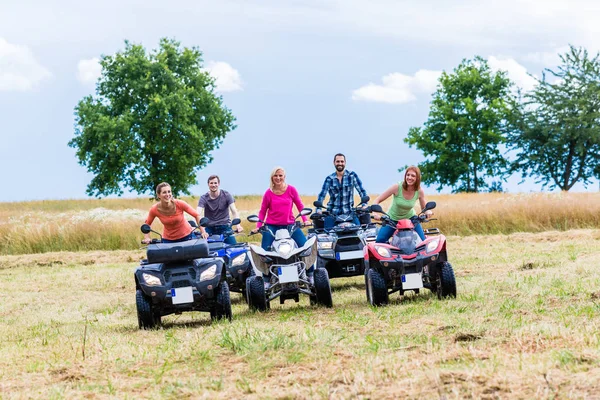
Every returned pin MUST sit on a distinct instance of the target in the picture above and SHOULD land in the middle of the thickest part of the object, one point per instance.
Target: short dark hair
(210, 178)
(339, 155)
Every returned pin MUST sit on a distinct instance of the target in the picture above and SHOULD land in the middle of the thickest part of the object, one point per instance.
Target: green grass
(525, 325)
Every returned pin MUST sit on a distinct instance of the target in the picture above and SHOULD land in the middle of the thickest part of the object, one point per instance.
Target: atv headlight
(208, 273)
(383, 251)
(151, 280)
(239, 260)
(325, 245)
(284, 249)
(431, 246)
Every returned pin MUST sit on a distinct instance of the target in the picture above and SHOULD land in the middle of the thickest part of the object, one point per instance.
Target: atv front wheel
(376, 288)
(255, 292)
(446, 281)
(146, 317)
(323, 287)
(222, 309)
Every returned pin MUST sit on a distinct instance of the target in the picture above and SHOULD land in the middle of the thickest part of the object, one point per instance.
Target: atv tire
(323, 288)
(222, 308)
(250, 274)
(376, 288)
(146, 317)
(255, 292)
(446, 281)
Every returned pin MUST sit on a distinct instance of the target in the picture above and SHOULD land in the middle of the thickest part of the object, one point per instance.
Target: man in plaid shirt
(340, 186)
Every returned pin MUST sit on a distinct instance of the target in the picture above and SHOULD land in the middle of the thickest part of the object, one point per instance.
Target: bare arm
(200, 211)
(234, 214)
(390, 191)
(422, 202)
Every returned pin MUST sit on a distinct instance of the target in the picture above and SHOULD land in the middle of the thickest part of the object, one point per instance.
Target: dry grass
(111, 224)
(525, 325)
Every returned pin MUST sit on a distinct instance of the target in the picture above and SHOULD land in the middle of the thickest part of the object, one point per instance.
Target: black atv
(179, 277)
(341, 244)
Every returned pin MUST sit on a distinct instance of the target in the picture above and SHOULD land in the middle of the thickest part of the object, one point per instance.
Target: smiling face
(213, 185)
(340, 163)
(278, 178)
(412, 178)
(165, 194)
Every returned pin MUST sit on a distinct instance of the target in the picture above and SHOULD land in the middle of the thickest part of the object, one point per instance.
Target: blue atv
(235, 258)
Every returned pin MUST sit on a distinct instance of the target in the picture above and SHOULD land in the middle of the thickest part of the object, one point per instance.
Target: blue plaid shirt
(341, 194)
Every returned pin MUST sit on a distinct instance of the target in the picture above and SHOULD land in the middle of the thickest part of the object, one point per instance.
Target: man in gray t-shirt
(216, 205)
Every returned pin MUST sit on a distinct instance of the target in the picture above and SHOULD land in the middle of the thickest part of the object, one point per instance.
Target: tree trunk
(566, 185)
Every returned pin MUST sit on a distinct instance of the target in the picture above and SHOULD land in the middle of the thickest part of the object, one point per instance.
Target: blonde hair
(271, 184)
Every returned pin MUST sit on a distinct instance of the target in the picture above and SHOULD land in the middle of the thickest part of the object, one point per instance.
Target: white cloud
(88, 71)
(19, 70)
(227, 78)
(516, 72)
(398, 88)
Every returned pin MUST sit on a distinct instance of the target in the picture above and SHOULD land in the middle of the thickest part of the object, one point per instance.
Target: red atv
(408, 263)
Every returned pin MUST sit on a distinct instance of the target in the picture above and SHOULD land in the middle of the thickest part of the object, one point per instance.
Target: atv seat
(215, 246)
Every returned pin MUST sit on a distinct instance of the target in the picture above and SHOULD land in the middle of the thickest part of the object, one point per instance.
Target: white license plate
(350, 255)
(182, 295)
(412, 281)
(288, 274)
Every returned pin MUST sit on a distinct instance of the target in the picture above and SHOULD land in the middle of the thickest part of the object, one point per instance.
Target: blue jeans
(183, 239)
(268, 239)
(329, 221)
(222, 230)
(386, 232)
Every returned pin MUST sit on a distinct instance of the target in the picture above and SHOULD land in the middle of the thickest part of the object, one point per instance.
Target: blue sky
(305, 79)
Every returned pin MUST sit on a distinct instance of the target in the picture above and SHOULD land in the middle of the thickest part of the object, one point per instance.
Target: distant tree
(559, 137)
(155, 117)
(470, 113)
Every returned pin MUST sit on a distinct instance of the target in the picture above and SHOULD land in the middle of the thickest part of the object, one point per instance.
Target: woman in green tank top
(405, 196)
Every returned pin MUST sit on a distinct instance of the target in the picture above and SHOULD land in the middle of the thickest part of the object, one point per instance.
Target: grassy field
(113, 224)
(525, 325)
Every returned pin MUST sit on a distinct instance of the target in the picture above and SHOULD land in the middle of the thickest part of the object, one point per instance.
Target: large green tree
(470, 114)
(559, 138)
(155, 117)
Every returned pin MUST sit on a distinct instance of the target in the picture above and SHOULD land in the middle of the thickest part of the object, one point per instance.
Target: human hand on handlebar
(146, 241)
(307, 223)
(428, 213)
(254, 231)
(239, 229)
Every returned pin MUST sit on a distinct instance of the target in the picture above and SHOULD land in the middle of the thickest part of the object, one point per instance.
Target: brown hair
(417, 181)
(160, 186)
(339, 155)
(210, 178)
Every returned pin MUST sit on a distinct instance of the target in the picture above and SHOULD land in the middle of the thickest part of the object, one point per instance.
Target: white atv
(284, 270)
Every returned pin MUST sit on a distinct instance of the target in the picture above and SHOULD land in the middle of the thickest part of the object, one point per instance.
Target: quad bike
(178, 277)
(407, 263)
(341, 245)
(284, 270)
(235, 257)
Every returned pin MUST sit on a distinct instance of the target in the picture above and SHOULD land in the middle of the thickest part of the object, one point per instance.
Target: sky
(305, 79)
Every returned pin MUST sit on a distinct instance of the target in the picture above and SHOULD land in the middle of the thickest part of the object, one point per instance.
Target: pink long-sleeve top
(279, 207)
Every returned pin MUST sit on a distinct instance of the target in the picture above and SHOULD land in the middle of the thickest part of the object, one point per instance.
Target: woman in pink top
(170, 212)
(277, 204)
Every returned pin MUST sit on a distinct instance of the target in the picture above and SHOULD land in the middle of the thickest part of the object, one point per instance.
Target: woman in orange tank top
(170, 212)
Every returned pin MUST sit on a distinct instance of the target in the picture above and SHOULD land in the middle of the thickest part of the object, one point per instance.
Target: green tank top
(402, 208)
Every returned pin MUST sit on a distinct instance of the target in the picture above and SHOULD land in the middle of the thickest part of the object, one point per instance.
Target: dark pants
(330, 221)
(222, 230)
(386, 232)
(183, 239)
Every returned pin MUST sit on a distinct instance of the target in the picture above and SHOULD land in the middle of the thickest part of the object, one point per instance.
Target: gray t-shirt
(217, 210)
